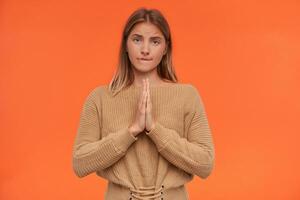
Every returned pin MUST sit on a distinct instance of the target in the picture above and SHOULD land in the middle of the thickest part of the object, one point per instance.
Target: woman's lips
(144, 59)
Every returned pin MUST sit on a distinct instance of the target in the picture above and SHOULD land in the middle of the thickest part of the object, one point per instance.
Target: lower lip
(145, 60)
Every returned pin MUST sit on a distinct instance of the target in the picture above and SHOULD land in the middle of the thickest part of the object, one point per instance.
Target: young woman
(145, 133)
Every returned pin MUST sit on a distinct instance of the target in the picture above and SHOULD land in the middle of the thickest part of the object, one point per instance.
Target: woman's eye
(156, 42)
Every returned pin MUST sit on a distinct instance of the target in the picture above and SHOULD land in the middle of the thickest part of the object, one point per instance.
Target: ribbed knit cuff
(159, 135)
(123, 140)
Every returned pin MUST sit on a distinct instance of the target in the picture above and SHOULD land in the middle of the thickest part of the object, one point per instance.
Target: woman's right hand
(140, 116)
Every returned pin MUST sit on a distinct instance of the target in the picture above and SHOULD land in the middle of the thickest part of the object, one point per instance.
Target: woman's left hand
(150, 124)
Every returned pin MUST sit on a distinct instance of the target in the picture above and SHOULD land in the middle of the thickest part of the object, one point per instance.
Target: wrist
(132, 131)
(151, 128)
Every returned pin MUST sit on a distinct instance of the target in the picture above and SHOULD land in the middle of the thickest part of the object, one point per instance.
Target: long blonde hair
(124, 75)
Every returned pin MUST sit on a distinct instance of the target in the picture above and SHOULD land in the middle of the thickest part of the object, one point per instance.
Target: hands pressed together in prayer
(143, 118)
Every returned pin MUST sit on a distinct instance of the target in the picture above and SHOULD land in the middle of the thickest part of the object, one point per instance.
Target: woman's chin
(145, 68)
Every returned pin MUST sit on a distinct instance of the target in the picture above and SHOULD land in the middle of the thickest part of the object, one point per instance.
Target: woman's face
(147, 42)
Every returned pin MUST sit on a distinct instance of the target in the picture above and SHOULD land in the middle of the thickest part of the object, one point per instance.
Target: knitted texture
(177, 148)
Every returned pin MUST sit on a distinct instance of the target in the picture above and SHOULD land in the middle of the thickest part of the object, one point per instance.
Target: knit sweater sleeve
(91, 152)
(194, 154)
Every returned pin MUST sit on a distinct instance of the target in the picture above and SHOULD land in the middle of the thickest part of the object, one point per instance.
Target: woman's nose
(145, 53)
(145, 49)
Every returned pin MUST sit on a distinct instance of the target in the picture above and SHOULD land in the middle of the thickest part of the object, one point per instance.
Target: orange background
(243, 56)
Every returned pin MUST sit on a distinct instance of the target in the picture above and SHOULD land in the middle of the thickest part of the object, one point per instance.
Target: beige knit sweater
(154, 165)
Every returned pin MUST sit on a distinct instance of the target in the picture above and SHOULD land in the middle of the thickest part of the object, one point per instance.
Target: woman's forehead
(146, 29)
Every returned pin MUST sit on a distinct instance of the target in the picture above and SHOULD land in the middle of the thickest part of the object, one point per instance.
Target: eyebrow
(138, 35)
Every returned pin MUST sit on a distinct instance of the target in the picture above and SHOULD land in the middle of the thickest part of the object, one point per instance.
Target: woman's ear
(166, 49)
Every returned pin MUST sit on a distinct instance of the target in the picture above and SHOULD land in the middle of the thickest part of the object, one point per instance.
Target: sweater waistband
(118, 192)
(143, 193)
